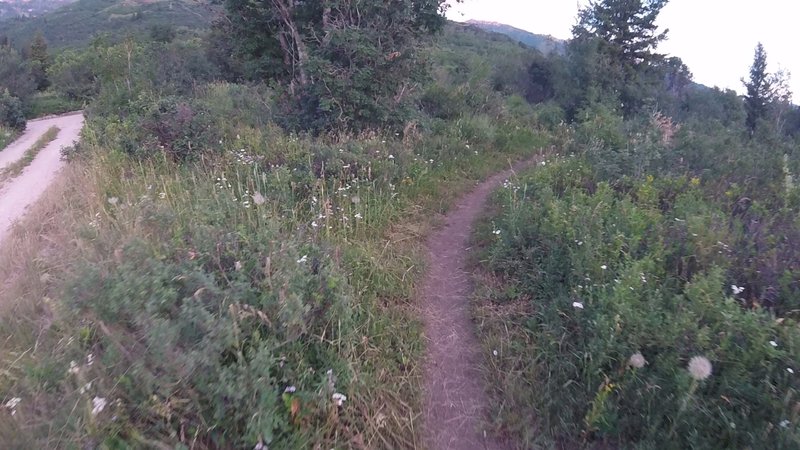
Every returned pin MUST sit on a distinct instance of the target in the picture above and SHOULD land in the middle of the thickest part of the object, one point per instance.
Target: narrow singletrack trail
(455, 395)
(18, 193)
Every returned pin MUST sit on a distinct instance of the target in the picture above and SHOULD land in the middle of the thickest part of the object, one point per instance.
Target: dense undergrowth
(217, 282)
(604, 282)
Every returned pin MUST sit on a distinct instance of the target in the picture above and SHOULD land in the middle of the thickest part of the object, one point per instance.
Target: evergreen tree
(617, 40)
(39, 61)
(759, 90)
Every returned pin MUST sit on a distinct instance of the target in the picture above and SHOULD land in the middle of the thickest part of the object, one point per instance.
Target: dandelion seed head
(258, 199)
(637, 360)
(699, 368)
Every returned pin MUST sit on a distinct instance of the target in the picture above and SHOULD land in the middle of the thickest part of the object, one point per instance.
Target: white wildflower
(237, 265)
(314, 224)
(391, 156)
(604, 267)
(358, 216)
(355, 199)
(85, 388)
(497, 232)
(290, 390)
(258, 199)
(73, 368)
(790, 370)
(90, 359)
(12, 404)
(699, 368)
(785, 424)
(577, 305)
(494, 352)
(637, 360)
(339, 399)
(113, 201)
(162, 195)
(736, 289)
(98, 405)
(773, 343)
(303, 259)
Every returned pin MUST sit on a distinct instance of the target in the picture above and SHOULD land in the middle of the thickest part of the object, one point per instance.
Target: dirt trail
(455, 395)
(22, 191)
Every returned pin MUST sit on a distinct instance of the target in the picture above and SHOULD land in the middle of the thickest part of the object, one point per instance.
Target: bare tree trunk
(292, 42)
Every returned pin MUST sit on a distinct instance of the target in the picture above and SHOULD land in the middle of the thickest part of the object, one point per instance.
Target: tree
(15, 74)
(39, 61)
(759, 90)
(618, 39)
(349, 64)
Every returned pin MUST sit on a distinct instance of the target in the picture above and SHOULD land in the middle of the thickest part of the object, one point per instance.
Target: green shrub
(604, 274)
(12, 114)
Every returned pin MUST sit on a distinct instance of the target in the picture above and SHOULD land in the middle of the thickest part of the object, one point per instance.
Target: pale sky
(715, 38)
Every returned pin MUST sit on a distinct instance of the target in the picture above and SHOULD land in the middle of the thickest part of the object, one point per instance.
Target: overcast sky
(715, 38)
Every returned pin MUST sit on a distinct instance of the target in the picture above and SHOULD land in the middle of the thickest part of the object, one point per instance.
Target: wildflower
(644, 279)
(355, 199)
(12, 404)
(699, 368)
(303, 259)
(73, 368)
(604, 267)
(494, 352)
(314, 224)
(543, 163)
(85, 388)
(258, 199)
(637, 360)
(162, 195)
(790, 370)
(497, 232)
(290, 390)
(90, 359)
(237, 265)
(577, 305)
(391, 156)
(339, 399)
(785, 424)
(98, 405)
(736, 289)
(113, 201)
(358, 216)
(773, 343)
(467, 146)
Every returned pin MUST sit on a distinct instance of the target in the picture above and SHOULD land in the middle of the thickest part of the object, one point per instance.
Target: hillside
(544, 43)
(78, 23)
(29, 8)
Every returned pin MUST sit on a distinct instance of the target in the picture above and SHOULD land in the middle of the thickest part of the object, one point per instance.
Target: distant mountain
(10, 9)
(76, 23)
(544, 43)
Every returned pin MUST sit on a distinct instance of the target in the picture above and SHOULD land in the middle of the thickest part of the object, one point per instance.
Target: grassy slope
(76, 24)
(119, 226)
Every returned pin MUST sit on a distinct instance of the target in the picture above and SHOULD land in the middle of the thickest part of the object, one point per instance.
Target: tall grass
(596, 302)
(223, 302)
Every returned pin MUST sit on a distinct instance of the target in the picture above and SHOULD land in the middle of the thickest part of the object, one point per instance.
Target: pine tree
(40, 61)
(619, 38)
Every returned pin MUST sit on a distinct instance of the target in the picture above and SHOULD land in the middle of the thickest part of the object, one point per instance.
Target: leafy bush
(617, 290)
(12, 114)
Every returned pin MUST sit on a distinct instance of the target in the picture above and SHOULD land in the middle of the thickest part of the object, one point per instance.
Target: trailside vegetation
(640, 287)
